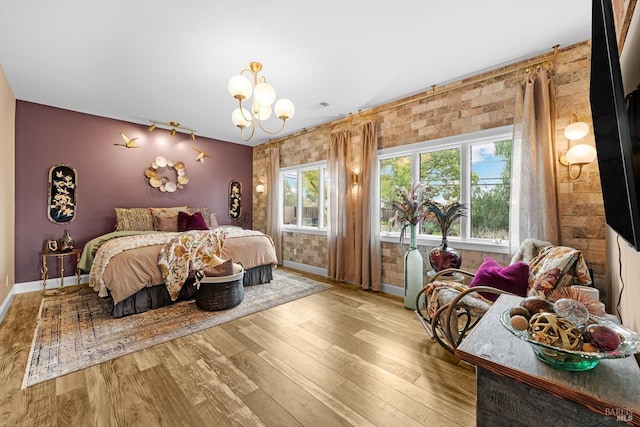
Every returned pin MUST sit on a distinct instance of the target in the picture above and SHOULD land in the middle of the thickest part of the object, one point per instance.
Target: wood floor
(339, 357)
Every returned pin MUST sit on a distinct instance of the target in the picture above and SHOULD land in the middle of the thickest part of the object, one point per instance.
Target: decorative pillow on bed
(133, 219)
(513, 278)
(206, 214)
(165, 223)
(164, 212)
(213, 220)
(188, 222)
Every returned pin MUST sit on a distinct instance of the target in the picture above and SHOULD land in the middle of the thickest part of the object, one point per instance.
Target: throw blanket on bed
(189, 251)
(113, 247)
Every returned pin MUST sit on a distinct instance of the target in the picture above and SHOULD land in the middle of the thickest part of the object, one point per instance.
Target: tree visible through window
(304, 198)
(490, 190)
(473, 170)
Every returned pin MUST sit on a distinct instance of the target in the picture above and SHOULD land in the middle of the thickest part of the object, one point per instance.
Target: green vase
(413, 269)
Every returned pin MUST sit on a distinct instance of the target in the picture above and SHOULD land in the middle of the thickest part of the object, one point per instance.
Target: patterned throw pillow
(133, 219)
(556, 267)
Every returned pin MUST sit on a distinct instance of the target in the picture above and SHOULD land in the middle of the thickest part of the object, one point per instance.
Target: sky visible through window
(487, 165)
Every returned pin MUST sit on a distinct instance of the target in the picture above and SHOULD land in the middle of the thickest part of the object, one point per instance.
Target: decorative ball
(537, 305)
(520, 311)
(550, 329)
(602, 337)
(572, 310)
(519, 323)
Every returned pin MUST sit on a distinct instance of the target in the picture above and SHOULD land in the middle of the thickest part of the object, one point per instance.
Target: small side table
(453, 277)
(44, 270)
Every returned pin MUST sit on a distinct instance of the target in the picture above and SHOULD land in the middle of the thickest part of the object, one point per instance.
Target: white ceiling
(136, 60)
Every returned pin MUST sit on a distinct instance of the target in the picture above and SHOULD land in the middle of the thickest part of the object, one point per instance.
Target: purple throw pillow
(513, 278)
(188, 222)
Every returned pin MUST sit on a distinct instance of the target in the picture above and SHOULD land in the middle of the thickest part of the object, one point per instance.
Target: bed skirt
(157, 296)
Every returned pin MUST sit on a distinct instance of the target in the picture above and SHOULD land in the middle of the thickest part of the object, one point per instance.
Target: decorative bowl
(573, 360)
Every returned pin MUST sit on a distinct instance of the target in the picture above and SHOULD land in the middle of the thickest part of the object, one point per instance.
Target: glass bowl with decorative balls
(565, 336)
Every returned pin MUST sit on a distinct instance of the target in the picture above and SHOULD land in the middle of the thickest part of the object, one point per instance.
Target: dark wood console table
(515, 388)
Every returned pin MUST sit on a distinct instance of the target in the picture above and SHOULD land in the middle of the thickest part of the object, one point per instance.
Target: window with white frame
(304, 196)
(474, 169)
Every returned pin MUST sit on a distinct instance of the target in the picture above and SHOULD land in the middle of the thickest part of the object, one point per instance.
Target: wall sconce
(260, 187)
(354, 178)
(579, 155)
(173, 128)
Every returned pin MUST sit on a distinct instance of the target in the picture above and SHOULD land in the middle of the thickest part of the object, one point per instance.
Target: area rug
(76, 330)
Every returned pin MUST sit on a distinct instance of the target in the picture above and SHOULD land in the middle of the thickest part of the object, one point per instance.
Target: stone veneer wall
(470, 105)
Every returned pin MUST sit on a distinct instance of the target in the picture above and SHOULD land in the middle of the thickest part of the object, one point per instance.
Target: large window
(304, 196)
(474, 169)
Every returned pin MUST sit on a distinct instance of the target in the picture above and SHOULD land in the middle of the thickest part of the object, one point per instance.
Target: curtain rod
(506, 69)
(461, 83)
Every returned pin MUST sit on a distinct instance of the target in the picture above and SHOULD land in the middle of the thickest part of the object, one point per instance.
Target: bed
(124, 265)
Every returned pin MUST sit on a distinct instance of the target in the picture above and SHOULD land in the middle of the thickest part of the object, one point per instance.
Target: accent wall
(110, 176)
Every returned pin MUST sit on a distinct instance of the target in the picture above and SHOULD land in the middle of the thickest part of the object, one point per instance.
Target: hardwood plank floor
(339, 357)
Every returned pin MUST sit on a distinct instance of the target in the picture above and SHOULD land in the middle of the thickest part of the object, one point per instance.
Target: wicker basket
(220, 293)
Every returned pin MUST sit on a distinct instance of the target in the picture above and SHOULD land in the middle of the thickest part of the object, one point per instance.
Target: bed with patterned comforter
(144, 270)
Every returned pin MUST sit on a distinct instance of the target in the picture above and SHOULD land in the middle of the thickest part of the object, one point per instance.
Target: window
(304, 198)
(474, 169)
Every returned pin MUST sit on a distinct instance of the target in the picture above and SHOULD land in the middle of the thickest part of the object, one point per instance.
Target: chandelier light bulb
(241, 117)
(284, 109)
(264, 94)
(261, 112)
(240, 87)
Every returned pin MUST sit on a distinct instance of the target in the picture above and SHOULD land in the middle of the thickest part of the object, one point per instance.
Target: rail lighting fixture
(579, 155)
(264, 95)
(172, 127)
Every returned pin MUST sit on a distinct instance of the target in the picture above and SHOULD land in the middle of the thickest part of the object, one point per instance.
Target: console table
(515, 388)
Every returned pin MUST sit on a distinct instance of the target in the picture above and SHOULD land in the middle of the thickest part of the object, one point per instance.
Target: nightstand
(453, 277)
(44, 270)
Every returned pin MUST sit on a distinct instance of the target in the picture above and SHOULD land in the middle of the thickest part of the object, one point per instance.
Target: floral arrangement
(410, 208)
(446, 213)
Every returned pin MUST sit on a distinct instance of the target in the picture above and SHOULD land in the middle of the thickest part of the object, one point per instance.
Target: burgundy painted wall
(109, 176)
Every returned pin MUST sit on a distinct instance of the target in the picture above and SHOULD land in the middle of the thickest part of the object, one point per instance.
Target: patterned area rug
(76, 331)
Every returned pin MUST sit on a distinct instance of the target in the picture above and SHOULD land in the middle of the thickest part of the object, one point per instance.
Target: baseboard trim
(318, 271)
(6, 303)
(385, 288)
(393, 290)
(36, 285)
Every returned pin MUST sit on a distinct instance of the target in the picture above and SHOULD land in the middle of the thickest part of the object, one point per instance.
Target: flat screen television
(615, 118)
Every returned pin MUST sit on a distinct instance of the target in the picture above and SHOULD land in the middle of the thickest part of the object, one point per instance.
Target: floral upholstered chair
(449, 310)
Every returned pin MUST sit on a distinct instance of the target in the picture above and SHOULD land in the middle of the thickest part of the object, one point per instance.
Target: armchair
(449, 311)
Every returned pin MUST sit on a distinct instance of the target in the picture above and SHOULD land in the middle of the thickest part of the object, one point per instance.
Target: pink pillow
(513, 278)
(188, 222)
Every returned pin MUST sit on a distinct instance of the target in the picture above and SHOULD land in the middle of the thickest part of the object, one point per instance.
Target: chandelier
(264, 95)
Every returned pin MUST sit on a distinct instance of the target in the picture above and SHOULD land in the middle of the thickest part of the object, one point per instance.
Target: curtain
(337, 169)
(534, 207)
(367, 226)
(273, 224)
